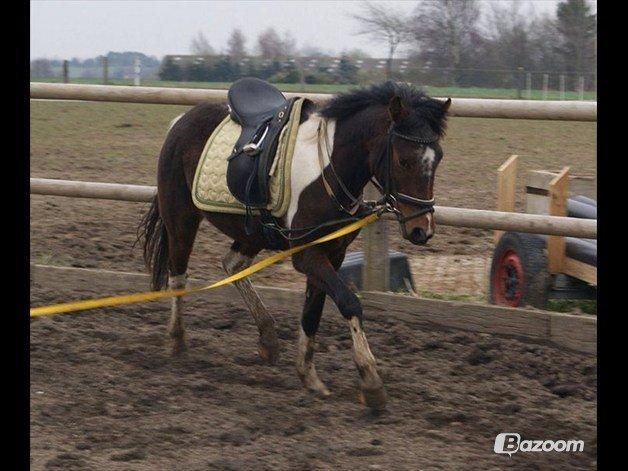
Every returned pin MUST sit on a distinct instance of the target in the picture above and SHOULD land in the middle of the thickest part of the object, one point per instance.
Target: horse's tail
(154, 238)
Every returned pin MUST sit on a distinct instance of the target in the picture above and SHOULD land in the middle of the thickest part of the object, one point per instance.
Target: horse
(387, 133)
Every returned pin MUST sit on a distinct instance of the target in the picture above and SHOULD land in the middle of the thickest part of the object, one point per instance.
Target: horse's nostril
(418, 236)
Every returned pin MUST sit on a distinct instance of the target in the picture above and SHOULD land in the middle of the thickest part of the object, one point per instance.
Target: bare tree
(41, 68)
(269, 44)
(383, 23)
(236, 45)
(200, 45)
(288, 44)
(447, 32)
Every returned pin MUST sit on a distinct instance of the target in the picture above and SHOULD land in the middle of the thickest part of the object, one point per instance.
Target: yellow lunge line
(154, 295)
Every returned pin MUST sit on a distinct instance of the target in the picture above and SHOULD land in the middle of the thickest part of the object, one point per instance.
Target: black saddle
(262, 111)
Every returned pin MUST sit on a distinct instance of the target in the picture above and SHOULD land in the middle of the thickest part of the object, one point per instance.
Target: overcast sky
(66, 29)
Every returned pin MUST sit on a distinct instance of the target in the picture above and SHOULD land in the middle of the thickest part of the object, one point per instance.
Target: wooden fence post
(105, 70)
(581, 88)
(528, 85)
(376, 269)
(506, 188)
(561, 86)
(66, 71)
(558, 193)
(545, 85)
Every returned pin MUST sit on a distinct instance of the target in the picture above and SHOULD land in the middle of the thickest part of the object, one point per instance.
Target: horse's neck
(350, 158)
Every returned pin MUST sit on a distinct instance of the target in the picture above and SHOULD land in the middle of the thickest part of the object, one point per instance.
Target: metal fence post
(376, 269)
(137, 69)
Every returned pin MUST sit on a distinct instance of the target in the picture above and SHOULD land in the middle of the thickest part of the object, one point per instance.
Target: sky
(88, 28)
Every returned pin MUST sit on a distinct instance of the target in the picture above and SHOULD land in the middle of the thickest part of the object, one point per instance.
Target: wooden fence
(376, 277)
(465, 107)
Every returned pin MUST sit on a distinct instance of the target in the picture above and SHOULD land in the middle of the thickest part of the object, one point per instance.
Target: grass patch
(584, 306)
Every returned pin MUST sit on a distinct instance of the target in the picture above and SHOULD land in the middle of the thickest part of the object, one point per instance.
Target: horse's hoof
(270, 354)
(373, 398)
(314, 385)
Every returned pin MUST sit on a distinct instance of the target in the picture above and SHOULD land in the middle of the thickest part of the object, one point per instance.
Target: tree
(270, 45)
(383, 23)
(200, 45)
(578, 28)
(236, 45)
(347, 71)
(170, 70)
(41, 68)
(447, 33)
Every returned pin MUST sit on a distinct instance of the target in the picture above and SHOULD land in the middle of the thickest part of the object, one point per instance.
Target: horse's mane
(348, 104)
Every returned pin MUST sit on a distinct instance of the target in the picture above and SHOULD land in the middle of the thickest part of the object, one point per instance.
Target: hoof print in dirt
(479, 357)
(564, 390)
(235, 438)
(129, 456)
(365, 451)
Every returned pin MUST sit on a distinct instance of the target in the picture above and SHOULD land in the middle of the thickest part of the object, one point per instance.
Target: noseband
(390, 195)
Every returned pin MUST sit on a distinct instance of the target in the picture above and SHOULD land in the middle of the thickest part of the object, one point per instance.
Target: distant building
(309, 63)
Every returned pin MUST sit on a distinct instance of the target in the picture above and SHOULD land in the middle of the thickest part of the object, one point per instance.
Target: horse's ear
(396, 109)
(446, 105)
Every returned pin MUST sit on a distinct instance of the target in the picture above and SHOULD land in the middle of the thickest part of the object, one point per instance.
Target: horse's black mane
(424, 108)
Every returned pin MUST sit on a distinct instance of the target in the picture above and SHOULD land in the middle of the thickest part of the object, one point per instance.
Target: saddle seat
(262, 111)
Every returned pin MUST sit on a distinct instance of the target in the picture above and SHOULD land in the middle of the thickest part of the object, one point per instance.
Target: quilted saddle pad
(209, 189)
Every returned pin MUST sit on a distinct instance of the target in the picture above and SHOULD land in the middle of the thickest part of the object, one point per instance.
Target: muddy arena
(106, 394)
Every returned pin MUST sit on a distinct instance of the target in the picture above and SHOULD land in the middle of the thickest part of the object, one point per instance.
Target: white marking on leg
(372, 387)
(176, 329)
(305, 166)
(305, 364)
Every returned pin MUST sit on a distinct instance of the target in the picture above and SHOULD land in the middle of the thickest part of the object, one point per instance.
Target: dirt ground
(105, 394)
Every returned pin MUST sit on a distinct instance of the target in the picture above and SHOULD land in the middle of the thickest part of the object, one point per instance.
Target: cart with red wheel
(528, 269)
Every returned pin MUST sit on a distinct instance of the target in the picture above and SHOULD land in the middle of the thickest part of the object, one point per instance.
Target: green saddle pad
(210, 191)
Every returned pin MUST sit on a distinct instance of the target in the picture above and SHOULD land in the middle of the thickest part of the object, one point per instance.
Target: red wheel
(519, 274)
(508, 281)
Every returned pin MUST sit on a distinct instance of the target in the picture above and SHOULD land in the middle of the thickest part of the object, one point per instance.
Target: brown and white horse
(388, 132)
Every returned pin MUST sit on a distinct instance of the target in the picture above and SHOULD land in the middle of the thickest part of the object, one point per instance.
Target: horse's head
(407, 167)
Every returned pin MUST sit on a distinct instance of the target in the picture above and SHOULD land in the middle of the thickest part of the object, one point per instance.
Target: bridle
(390, 195)
(387, 203)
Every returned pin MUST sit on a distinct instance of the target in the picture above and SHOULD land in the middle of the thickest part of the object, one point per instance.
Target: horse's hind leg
(181, 223)
(236, 260)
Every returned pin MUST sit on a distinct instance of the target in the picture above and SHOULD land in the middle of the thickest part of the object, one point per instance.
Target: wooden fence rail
(466, 107)
(447, 216)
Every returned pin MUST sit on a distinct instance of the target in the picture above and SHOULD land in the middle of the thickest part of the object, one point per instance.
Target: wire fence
(336, 74)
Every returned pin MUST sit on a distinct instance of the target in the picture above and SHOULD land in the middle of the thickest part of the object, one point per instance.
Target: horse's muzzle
(418, 236)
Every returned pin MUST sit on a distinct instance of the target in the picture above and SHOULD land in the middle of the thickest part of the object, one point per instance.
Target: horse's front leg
(312, 311)
(316, 265)
(236, 260)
